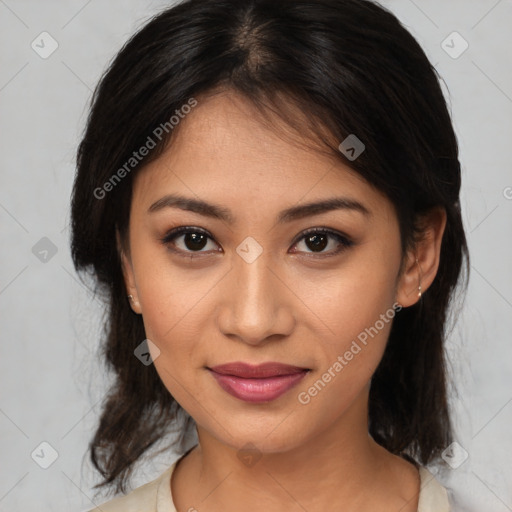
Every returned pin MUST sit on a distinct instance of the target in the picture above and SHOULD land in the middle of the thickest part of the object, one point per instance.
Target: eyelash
(344, 241)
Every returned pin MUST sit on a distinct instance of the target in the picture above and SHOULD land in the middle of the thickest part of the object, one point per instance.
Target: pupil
(318, 244)
(195, 241)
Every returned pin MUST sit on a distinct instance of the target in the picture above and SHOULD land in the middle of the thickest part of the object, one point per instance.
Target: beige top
(155, 496)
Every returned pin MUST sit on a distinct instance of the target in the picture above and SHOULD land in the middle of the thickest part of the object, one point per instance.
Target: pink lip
(261, 383)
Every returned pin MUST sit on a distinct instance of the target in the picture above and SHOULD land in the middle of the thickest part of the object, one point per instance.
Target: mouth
(257, 383)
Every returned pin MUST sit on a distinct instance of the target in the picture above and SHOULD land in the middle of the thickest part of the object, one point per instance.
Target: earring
(130, 297)
(419, 286)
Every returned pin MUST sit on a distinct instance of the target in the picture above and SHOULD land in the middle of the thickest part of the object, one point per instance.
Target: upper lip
(249, 371)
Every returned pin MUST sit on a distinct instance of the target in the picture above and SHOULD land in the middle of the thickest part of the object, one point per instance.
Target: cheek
(166, 299)
(357, 306)
(360, 341)
(352, 298)
(177, 309)
(169, 294)
(171, 311)
(171, 317)
(346, 368)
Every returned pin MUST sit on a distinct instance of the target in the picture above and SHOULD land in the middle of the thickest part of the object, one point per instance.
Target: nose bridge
(254, 307)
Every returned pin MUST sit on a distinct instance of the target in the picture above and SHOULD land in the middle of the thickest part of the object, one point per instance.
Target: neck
(333, 468)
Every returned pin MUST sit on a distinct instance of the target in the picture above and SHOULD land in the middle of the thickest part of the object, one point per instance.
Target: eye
(193, 240)
(188, 240)
(317, 239)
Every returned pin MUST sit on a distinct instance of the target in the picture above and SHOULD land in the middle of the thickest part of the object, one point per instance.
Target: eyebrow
(288, 215)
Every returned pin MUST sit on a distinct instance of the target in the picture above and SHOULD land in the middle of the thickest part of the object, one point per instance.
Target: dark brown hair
(351, 68)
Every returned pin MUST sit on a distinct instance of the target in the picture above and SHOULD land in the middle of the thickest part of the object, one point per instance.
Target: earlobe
(134, 303)
(422, 262)
(129, 279)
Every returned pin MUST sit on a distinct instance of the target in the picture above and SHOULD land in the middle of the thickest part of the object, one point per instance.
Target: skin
(289, 305)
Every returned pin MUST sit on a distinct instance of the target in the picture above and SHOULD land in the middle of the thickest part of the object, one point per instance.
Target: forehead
(225, 149)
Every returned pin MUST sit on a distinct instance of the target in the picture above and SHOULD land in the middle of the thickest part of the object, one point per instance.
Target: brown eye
(317, 239)
(195, 241)
(188, 240)
(317, 242)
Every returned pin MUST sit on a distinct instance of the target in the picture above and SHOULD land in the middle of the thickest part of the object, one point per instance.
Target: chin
(264, 438)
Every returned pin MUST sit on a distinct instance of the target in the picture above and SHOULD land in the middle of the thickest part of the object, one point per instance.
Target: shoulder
(154, 496)
(433, 496)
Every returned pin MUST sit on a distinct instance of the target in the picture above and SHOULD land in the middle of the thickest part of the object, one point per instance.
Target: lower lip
(258, 390)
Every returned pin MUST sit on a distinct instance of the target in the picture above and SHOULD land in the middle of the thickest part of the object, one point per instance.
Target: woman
(267, 194)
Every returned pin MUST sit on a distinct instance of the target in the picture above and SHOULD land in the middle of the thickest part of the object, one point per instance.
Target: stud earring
(419, 286)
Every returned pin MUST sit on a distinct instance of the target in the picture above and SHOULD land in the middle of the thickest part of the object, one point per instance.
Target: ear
(422, 261)
(129, 278)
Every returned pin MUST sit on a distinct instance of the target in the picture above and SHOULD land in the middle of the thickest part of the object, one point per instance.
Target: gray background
(51, 381)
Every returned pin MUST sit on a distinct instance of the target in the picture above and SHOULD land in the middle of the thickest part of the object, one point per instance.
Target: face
(257, 278)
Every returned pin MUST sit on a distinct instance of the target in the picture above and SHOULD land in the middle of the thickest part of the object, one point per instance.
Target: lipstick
(257, 383)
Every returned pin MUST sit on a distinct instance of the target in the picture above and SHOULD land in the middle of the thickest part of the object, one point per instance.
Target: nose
(256, 305)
